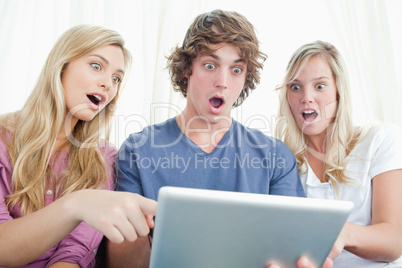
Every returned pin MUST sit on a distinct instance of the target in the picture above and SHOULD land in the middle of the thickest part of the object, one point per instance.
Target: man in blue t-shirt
(215, 69)
(243, 160)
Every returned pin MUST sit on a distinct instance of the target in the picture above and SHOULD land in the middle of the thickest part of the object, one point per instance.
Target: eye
(237, 70)
(320, 86)
(96, 66)
(209, 66)
(295, 87)
(116, 79)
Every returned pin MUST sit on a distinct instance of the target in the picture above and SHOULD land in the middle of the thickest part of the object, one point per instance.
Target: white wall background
(367, 32)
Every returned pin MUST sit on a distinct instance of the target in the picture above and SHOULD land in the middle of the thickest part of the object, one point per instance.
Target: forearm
(119, 216)
(378, 242)
(381, 241)
(128, 254)
(25, 239)
(64, 265)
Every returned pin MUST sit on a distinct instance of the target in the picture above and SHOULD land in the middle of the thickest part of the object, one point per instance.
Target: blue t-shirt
(245, 160)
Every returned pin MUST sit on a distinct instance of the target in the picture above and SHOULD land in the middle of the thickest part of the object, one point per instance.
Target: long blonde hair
(342, 135)
(37, 124)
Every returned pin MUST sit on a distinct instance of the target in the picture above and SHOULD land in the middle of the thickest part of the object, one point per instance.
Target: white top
(378, 152)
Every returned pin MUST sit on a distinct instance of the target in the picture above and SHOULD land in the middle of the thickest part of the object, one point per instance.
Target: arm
(128, 254)
(120, 216)
(285, 179)
(382, 240)
(64, 265)
(79, 246)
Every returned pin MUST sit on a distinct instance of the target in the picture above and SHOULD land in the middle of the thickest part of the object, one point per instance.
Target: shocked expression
(215, 83)
(91, 81)
(312, 96)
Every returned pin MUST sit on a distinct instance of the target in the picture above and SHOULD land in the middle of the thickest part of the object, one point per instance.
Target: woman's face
(91, 81)
(312, 97)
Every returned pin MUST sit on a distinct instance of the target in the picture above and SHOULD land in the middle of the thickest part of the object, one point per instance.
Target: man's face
(215, 83)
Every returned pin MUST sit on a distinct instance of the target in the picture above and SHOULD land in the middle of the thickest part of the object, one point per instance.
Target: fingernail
(304, 262)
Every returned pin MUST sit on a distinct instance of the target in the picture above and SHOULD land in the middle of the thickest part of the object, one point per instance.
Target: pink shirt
(81, 245)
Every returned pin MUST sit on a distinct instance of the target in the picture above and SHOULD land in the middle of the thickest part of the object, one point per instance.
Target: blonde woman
(54, 165)
(337, 160)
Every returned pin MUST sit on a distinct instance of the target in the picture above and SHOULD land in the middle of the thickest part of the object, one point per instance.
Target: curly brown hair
(213, 28)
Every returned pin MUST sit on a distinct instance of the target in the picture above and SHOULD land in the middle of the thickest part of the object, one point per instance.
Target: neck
(202, 132)
(317, 145)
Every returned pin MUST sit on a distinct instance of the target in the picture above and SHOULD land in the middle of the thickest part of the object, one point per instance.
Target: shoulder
(380, 140)
(389, 129)
(7, 129)
(8, 122)
(381, 132)
(160, 133)
(6, 134)
(380, 148)
(257, 137)
(107, 149)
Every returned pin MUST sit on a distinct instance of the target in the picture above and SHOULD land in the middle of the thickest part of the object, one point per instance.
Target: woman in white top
(337, 160)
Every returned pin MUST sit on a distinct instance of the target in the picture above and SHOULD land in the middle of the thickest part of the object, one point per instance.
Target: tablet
(209, 228)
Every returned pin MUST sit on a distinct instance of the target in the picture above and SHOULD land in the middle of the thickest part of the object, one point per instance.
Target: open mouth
(95, 99)
(309, 115)
(216, 102)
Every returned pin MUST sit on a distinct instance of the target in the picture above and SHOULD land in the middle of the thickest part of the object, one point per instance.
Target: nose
(308, 96)
(105, 82)
(221, 80)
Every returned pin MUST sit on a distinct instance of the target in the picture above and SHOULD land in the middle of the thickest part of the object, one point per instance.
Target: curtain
(367, 33)
(370, 37)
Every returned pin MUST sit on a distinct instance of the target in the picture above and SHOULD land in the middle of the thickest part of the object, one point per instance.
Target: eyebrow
(321, 77)
(106, 61)
(318, 78)
(219, 59)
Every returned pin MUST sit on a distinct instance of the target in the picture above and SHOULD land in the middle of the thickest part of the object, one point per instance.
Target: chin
(313, 130)
(81, 112)
(86, 117)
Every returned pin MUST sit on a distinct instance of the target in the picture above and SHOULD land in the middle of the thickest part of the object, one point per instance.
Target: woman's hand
(304, 262)
(120, 216)
(340, 241)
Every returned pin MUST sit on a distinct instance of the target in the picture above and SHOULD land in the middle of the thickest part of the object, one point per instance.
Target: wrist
(70, 205)
(351, 240)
